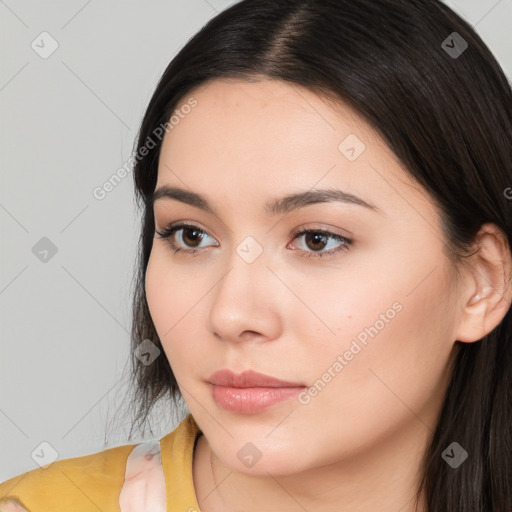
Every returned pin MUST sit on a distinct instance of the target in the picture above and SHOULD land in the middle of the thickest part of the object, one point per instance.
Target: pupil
(195, 237)
(318, 238)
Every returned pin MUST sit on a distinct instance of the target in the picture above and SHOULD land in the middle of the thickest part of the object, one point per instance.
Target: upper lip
(248, 379)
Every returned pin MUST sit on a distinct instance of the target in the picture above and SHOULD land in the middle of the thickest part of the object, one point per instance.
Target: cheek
(346, 316)
(171, 290)
(156, 289)
(390, 360)
(174, 297)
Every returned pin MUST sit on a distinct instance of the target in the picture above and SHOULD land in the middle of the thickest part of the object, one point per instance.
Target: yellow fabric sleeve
(94, 482)
(79, 484)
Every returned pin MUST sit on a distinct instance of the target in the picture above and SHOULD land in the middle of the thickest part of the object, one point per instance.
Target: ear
(487, 292)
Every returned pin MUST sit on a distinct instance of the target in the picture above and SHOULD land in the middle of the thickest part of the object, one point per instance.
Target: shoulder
(132, 475)
(83, 483)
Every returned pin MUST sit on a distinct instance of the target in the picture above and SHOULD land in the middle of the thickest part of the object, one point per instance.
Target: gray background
(68, 122)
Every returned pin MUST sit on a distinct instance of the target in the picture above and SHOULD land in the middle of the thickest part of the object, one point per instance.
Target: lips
(250, 392)
(249, 379)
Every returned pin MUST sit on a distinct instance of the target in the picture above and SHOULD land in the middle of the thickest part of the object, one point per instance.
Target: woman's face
(367, 326)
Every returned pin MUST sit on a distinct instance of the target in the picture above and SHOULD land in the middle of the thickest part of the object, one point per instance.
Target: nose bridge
(243, 298)
(246, 267)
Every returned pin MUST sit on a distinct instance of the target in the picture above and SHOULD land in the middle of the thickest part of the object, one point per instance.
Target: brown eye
(315, 241)
(191, 236)
(184, 238)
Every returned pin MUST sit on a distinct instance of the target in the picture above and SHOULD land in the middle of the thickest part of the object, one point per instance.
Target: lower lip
(251, 400)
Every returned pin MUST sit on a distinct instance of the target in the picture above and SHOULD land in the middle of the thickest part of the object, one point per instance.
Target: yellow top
(94, 482)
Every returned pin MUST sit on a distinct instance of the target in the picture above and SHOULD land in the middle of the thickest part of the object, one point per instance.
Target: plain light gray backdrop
(69, 119)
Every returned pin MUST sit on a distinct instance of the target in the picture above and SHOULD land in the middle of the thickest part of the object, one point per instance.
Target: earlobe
(488, 295)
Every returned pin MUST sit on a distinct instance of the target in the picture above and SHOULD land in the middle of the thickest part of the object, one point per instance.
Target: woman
(325, 271)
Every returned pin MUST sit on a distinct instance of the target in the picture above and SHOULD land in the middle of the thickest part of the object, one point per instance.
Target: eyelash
(347, 242)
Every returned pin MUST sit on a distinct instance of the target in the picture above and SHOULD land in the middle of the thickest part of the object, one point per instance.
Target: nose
(245, 302)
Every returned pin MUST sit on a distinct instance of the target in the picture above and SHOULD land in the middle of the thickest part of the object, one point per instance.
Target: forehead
(264, 137)
(272, 106)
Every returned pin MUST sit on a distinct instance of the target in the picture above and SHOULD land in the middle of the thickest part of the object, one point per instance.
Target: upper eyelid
(345, 233)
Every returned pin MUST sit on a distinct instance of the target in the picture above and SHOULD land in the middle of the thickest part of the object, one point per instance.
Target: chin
(256, 459)
(281, 465)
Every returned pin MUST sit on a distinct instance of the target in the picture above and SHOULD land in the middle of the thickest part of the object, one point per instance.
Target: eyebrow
(277, 206)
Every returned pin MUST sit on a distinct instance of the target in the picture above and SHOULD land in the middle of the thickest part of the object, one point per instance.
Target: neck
(384, 478)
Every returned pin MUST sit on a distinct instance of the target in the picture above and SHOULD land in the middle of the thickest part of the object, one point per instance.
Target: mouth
(249, 379)
(250, 392)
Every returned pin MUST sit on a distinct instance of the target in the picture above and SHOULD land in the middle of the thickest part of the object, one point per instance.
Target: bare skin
(356, 445)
